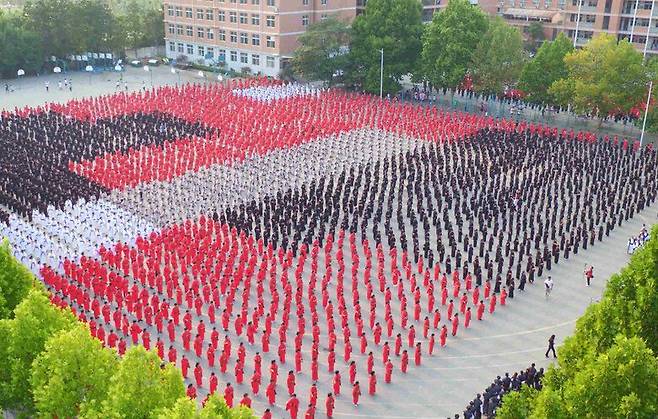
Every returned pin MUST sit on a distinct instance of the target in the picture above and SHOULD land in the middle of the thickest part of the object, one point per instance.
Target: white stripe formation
(80, 229)
(270, 93)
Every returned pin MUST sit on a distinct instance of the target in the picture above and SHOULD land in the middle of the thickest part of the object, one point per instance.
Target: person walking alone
(551, 346)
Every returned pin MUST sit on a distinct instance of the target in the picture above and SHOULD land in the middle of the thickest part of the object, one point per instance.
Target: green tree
(322, 51)
(139, 23)
(35, 320)
(141, 387)
(394, 26)
(15, 279)
(535, 35)
(20, 48)
(449, 43)
(517, 404)
(184, 408)
(498, 58)
(544, 69)
(73, 370)
(604, 76)
(216, 408)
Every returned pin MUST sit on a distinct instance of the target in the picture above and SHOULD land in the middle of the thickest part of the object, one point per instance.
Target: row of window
(233, 17)
(233, 36)
(209, 53)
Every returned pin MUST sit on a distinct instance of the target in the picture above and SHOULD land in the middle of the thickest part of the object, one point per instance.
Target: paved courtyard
(508, 341)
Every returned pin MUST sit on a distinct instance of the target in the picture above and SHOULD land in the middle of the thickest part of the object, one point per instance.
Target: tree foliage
(216, 407)
(20, 48)
(498, 58)
(139, 23)
(322, 51)
(535, 35)
(545, 69)
(604, 76)
(449, 43)
(518, 404)
(35, 320)
(141, 387)
(74, 369)
(15, 279)
(394, 26)
(184, 408)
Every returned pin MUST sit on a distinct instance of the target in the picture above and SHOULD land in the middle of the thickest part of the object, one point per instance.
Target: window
(179, 11)
(222, 55)
(233, 17)
(189, 31)
(209, 14)
(255, 59)
(255, 39)
(221, 15)
(243, 1)
(201, 50)
(210, 53)
(561, 4)
(234, 36)
(243, 18)
(256, 2)
(323, 16)
(590, 18)
(271, 3)
(305, 20)
(244, 39)
(270, 42)
(181, 48)
(255, 20)
(170, 10)
(190, 49)
(210, 34)
(172, 29)
(244, 58)
(593, 3)
(270, 21)
(200, 32)
(221, 34)
(179, 29)
(172, 46)
(234, 56)
(199, 13)
(269, 62)
(323, 2)
(188, 12)
(305, 2)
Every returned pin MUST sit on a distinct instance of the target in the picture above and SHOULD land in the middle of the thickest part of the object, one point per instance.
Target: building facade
(580, 20)
(258, 35)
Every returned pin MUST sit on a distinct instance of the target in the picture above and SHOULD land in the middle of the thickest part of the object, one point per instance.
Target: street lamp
(381, 74)
(89, 69)
(20, 72)
(57, 70)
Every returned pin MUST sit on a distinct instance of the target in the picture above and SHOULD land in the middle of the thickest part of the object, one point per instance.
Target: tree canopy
(141, 387)
(604, 76)
(323, 50)
(394, 26)
(20, 48)
(498, 58)
(74, 369)
(449, 42)
(15, 280)
(544, 69)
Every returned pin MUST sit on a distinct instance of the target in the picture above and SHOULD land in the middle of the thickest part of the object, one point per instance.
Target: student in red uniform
(404, 362)
(267, 414)
(467, 318)
(245, 401)
(184, 366)
(388, 372)
(417, 354)
(480, 312)
(290, 381)
(228, 394)
(356, 393)
(213, 383)
(352, 372)
(372, 384)
(444, 335)
(198, 375)
(329, 405)
(270, 392)
(292, 406)
(336, 383)
(455, 324)
(191, 392)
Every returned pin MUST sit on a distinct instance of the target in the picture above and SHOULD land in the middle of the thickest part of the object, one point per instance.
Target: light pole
(644, 58)
(381, 74)
(174, 71)
(575, 34)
